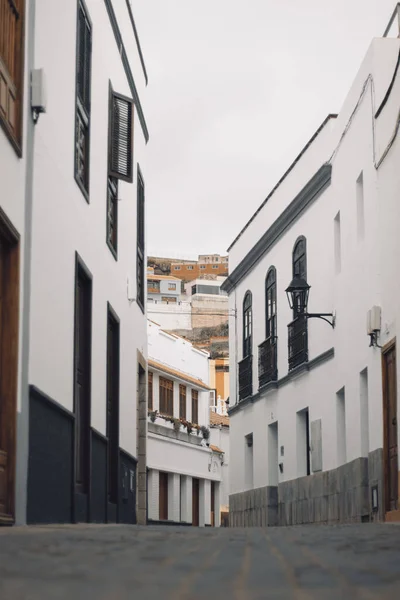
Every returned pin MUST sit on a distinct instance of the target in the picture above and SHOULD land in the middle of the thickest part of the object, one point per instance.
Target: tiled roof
(216, 449)
(216, 419)
(179, 374)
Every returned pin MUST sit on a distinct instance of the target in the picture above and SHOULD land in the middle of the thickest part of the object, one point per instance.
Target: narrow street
(121, 562)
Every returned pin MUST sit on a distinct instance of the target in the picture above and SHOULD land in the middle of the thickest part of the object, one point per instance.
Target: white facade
(350, 220)
(163, 288)
(64, 228)
(178, 455)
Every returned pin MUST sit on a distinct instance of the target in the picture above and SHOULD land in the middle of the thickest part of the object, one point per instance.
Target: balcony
(298, 342)
(245, 377)
(267, 361)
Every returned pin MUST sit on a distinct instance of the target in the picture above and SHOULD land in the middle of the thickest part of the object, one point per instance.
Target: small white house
(184, 466)
(313, 389)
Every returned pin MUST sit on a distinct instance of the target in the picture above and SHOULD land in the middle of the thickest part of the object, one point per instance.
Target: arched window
(299, 264)
(270, 304)
(247, 324)
(300, 258)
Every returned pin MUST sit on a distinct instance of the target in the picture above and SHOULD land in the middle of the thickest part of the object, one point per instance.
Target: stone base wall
(337, 496)
(254, 508)
(342, 495)
(376, 478)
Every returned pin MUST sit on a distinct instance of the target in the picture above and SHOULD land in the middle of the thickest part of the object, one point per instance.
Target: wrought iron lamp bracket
(324, 317)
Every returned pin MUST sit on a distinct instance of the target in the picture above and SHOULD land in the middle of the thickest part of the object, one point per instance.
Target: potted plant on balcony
(153, 415)
(205, 433)
(177, 425)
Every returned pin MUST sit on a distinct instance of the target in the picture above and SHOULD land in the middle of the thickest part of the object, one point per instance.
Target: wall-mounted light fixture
(38, 94)
(374, 325)
(297, 294)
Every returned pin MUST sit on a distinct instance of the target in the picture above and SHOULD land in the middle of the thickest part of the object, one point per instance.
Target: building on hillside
(208, 301)
(314, 412)
(163, 288)
(73, 255)
(184, 469)
(212, 264)
(219, 438)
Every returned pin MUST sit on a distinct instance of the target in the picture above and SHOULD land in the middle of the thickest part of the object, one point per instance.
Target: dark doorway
(213, 504)
(390, 427)
(163, 498)
(82, 387)
(195, 502)
(112, 404)
(9, 323)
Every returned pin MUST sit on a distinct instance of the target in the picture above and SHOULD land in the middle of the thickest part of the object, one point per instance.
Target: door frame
(395, 514)
(9, 384)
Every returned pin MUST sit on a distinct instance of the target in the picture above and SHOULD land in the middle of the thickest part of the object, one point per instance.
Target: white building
(184, 468)
(74, 207)
(219, 438)
(163, 288)
(313, 418)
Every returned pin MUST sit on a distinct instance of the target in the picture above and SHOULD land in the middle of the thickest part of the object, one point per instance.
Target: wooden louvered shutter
(121, 138)
(11, 68)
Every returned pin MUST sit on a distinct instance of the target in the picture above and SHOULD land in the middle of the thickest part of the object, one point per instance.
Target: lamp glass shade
(297, 294)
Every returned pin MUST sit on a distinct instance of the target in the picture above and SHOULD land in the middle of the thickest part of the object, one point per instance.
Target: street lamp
(297, 294)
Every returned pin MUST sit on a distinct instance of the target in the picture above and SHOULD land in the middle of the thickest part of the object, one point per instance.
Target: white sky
(236, 89)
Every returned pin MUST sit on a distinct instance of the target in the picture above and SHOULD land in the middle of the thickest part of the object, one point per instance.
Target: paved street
(121, 562)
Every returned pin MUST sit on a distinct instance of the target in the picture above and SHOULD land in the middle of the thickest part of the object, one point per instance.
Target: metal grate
(298, 342)
(267, 361)
(245, 377)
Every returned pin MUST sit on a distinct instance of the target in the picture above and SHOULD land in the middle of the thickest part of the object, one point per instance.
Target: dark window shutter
(84, 59)
(121, 138)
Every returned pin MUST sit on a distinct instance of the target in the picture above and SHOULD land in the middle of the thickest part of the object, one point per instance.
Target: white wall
(177, 352)
(171, 316)
(64, 223)
(367, 276)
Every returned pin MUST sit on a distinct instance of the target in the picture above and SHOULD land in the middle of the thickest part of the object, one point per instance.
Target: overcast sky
(236, 89)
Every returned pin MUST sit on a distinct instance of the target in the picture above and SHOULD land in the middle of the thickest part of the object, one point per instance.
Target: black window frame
(140, 252)
(299, 263)
(83, 102)
(247, 324)
(113, 402)
(270, 304)
(112, 216)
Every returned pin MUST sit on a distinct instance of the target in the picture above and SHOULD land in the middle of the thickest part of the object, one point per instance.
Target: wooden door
(213, 504)
(195, 502)
(390, 428)
(163, 498)
(83, 320)
(113, 404)
(9, 318)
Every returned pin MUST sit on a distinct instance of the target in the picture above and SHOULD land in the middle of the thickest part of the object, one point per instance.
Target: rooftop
(216, 419)
(178, 374)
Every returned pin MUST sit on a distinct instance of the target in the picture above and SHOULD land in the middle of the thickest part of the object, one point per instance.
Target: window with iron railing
(297, 342)
(267, 361)
(246, 378)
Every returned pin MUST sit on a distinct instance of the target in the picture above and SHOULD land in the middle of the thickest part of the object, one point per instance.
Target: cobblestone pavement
(117, 562)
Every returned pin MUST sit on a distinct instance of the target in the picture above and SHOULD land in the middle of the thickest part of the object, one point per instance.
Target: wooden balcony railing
(267, 361)
(298, 342)
(245, 377)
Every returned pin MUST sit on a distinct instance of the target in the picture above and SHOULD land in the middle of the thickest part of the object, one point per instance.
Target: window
(298, 329)
(202, 266)
(168, 299)
(166, 397)
(248, 461)
(194, 290)
(83, 93)
(182, 402)
(215, 266)
(247, 324)
(341, 427)
(163, 496)
(270, 303)
(172, 286)
(337, 243)
(177, 268)
(11, 69)
(120, 149)
(140, 239)
(112, 215)
(303, 443)
(153, 286)
(195, 407)
(112, 403)
(190, 267)
(150, 391)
